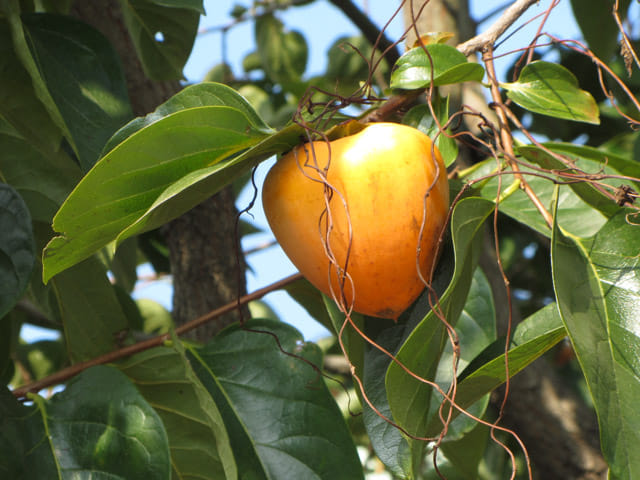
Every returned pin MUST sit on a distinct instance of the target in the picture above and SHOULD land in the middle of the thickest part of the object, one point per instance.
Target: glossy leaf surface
(550, 89)
(442, 65)
(597, 285)
(281, 419)
(156, 161)
(409, 397)
(82, 73)
(98, 427)
(590, 161)
(198, 439)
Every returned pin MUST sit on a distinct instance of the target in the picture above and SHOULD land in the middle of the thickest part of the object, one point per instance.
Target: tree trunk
(207, 268)
(559, 431)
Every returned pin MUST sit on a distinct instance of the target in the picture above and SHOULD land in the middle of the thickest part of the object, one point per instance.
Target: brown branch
(488, 37)
(67, 373)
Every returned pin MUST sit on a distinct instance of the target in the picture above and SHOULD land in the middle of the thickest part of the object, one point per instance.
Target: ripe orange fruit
(378, 181)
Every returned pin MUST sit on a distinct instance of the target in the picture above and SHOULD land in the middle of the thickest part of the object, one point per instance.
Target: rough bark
(202, 246)
(559, 431)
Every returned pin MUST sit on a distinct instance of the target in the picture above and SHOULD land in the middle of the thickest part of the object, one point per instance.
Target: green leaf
(198, 439)
(552, 90)
(42, 180)
(82, 73)
(207, 94)
(420, 117)
(17, 248)
(100, 424)
(345, 64)
(24, 449)
(347, 332)
(591, 161)
(597, 285)
(390, 445)
(98, 427)
(283, 54)
(23, 53)
(148, 168)
(414, 69)
(162, 33)
(197, 186)
(599, 29)
(532, 337)
(20, 106)
(409, 398)
(574, 214)
(476, 329)
(90, 310)
(465, 453)
(306, 435)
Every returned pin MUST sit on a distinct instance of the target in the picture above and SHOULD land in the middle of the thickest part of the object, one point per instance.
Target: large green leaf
(532, 337)
(159, 160)
(198, 440)
(390, 445)
(25, 451)
(550, 89)
(197, 186)
(408, 397)
(11, 9)
(207, 94)
(281, 418)
(17, 248)
(590, 160)
(573, 214)
(476, 328)
(91, 313)
(82, 73)
(414, 69)
(20, 106)
(597, 285)
(163, 33)
(98, 427)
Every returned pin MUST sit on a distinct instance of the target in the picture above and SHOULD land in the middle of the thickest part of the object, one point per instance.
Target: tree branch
(66, 373)
(488, 37)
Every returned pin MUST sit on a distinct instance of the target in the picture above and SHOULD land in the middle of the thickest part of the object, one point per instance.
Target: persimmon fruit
(376, 202)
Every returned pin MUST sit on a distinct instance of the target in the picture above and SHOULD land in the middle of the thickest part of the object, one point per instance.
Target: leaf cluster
(86, 187)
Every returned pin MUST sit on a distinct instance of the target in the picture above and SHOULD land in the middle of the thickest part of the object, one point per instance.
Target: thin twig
(66, 373)
(489, 36)
(506, 138)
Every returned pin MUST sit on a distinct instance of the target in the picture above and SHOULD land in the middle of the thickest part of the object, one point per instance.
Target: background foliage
(87, 187)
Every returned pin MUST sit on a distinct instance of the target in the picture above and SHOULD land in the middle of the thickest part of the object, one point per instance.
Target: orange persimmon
(363, 202)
